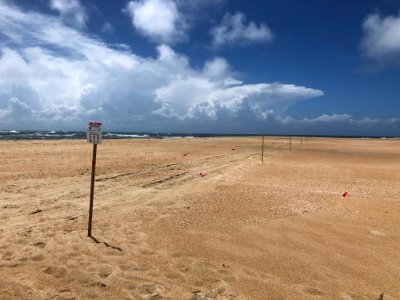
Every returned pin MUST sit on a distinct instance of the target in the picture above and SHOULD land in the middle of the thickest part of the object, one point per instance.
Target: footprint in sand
(145, 249)
(20, 241)
(10, 206)
(140, 267)
(92, 295)
(226, 273)
(37, 257)
(153, 290)
(348, 296)
(177, 255)
(23, 280)
(175, 276)
(311, 291)
(8, 255)
(221, 290)
(40, 244)
(331, 276)
(141, 236)
(183, 268)
(33, 253)
(57, 272)
(22, 259)
(105, 271)
(91, 280)
(62, 296)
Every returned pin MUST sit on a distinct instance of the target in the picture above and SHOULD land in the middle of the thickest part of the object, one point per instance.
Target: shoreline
(109, 135)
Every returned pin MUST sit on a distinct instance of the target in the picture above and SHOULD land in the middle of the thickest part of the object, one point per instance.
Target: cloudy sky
(274, 66)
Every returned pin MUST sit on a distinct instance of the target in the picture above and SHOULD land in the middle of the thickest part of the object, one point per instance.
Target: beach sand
(246, 230)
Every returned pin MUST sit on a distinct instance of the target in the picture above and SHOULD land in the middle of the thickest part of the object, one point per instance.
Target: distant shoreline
(72, 135)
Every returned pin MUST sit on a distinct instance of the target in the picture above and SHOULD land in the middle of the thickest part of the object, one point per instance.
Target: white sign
(94, 133)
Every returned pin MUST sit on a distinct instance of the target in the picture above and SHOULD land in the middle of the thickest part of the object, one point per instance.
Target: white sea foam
(9, 131)
(178, 137)
(136, 136)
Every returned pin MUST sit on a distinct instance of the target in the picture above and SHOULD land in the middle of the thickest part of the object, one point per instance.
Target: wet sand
(246, 230)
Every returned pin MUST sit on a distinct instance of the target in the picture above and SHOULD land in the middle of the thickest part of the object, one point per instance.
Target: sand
(246, 230)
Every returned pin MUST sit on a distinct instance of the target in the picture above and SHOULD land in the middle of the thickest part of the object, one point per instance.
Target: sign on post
(93, 137)
(94, 133)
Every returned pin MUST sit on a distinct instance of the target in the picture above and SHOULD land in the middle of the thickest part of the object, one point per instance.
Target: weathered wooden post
(93, 137)
(290, 142)
(262, 148)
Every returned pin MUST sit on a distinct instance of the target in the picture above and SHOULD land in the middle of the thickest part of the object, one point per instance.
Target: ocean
(76, 135)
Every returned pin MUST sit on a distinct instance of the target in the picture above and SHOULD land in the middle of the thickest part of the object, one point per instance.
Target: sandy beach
(245, 230)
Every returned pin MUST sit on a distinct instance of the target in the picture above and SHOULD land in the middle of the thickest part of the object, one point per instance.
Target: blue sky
(300, 67)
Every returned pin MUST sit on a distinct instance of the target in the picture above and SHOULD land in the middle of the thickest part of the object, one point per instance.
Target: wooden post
(301, 140)
(92, 190)
(290, 142)
(381, 296)
(262, 148)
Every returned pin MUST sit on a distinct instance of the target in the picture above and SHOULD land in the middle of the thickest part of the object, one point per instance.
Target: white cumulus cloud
(55, 77)
(381, 40)
(340, 124)
(159, 20)
(71, 11)
(234, 30)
